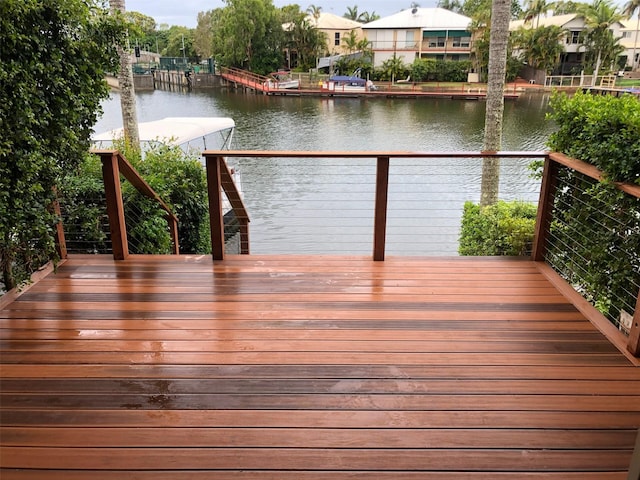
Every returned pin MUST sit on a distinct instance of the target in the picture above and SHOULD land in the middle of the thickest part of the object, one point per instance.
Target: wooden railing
(114, 164)
(245, 78)
(218, 178)
(553, 162)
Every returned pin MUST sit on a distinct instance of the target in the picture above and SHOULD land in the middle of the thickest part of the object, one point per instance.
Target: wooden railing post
(633, 344)
(545, 209)
(216, 218)
(173, 231)
(61, 242)
(634, 467)
(380, 219)
(244, 236)
(115, 207)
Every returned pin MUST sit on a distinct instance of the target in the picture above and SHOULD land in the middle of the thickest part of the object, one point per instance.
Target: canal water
(326, 206)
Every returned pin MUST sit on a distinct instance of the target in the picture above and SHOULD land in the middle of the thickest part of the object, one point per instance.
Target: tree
(203, 34)
(55, 55)
(451, 5)
(535, 8)
(250, 36)
(315, 12)
(632, 7)
(352, 13)
(306, 40)
(602, 47)
(500, 16)
(180, 43)
(127, 88)
(393, 68)
(366, 17)
(541, 47)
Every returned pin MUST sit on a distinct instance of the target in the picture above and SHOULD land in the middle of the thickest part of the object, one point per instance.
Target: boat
(191, 134)
(281, 80)
(348, 83)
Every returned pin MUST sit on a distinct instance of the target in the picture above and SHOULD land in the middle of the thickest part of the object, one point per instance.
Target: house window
(410, 42)
(461, 42)
(337, 39)
(436, 42)
(573, 38)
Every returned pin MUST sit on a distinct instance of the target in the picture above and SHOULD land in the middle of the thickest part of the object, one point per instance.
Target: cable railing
(411, 204)
(589, 232)
(122, 220)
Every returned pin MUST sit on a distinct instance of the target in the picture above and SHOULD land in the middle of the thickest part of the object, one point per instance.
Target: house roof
(422, 18)
(545, 21)
(329, 21)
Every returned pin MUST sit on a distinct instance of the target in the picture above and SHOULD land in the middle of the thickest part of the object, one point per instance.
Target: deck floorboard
(309, 368)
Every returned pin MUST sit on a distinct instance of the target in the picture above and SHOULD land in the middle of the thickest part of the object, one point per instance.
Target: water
(325, 206)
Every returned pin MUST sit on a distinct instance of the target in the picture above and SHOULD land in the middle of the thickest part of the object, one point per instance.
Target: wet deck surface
(290, 367)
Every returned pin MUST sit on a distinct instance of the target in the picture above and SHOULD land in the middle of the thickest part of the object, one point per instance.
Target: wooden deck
(309, 368)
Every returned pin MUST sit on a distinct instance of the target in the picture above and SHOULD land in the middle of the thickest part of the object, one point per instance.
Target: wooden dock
(258, 84)
(310, 368)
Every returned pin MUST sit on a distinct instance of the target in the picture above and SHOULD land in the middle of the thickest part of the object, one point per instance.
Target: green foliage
(54, 58)
(541, 47)
(178, 178)
(504, 228)
(596, 228)
(601, 130)
(249, 35)
(430, 70)
(393, 69)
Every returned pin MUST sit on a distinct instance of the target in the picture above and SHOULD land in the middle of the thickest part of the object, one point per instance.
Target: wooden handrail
(114, 164)
(545, 206)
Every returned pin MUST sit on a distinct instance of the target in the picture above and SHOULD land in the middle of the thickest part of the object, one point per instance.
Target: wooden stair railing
(219, 179)
(114, 164)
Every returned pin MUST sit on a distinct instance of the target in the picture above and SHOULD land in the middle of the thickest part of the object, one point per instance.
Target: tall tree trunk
(500, 15)
(127, 89)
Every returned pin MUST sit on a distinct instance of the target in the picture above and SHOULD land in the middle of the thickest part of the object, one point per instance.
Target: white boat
(281, 81)
(191, 134)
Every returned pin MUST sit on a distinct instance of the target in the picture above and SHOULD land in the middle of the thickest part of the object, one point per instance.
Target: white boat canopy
(186, 132)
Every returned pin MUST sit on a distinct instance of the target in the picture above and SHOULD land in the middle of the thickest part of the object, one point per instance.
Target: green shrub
(505, 228)
(595, 233)
(178, 178)
(599, 129)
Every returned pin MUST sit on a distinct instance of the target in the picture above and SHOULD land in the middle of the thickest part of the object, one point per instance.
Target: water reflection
(321, 206)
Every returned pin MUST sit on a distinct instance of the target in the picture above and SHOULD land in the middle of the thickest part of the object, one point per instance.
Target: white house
(573, 24)
(420, 33)
(631, 42)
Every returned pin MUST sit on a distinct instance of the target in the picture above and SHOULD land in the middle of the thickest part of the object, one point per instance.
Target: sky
(185, 12)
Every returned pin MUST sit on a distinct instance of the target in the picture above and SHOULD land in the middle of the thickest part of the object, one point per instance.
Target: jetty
(249, 81)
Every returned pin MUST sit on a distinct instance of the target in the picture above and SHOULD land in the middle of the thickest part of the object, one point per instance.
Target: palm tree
(541, 47)
(127, 89)
(366, 17)
(500, 16)
(352, 13)
(535, 8)
(451, 5)
(315, 12)
(599, 17)
(632, 7)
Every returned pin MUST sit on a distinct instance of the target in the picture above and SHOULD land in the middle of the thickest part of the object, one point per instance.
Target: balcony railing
(363, 197)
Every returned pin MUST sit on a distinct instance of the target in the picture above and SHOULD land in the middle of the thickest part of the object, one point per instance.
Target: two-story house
(573, 24)
(420, 33)
(336, 29)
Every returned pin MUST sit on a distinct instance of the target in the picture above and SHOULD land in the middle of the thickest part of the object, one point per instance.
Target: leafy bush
(178, 178)
(505, 228)
(599, 129)
(595, 234)
(430, 70)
